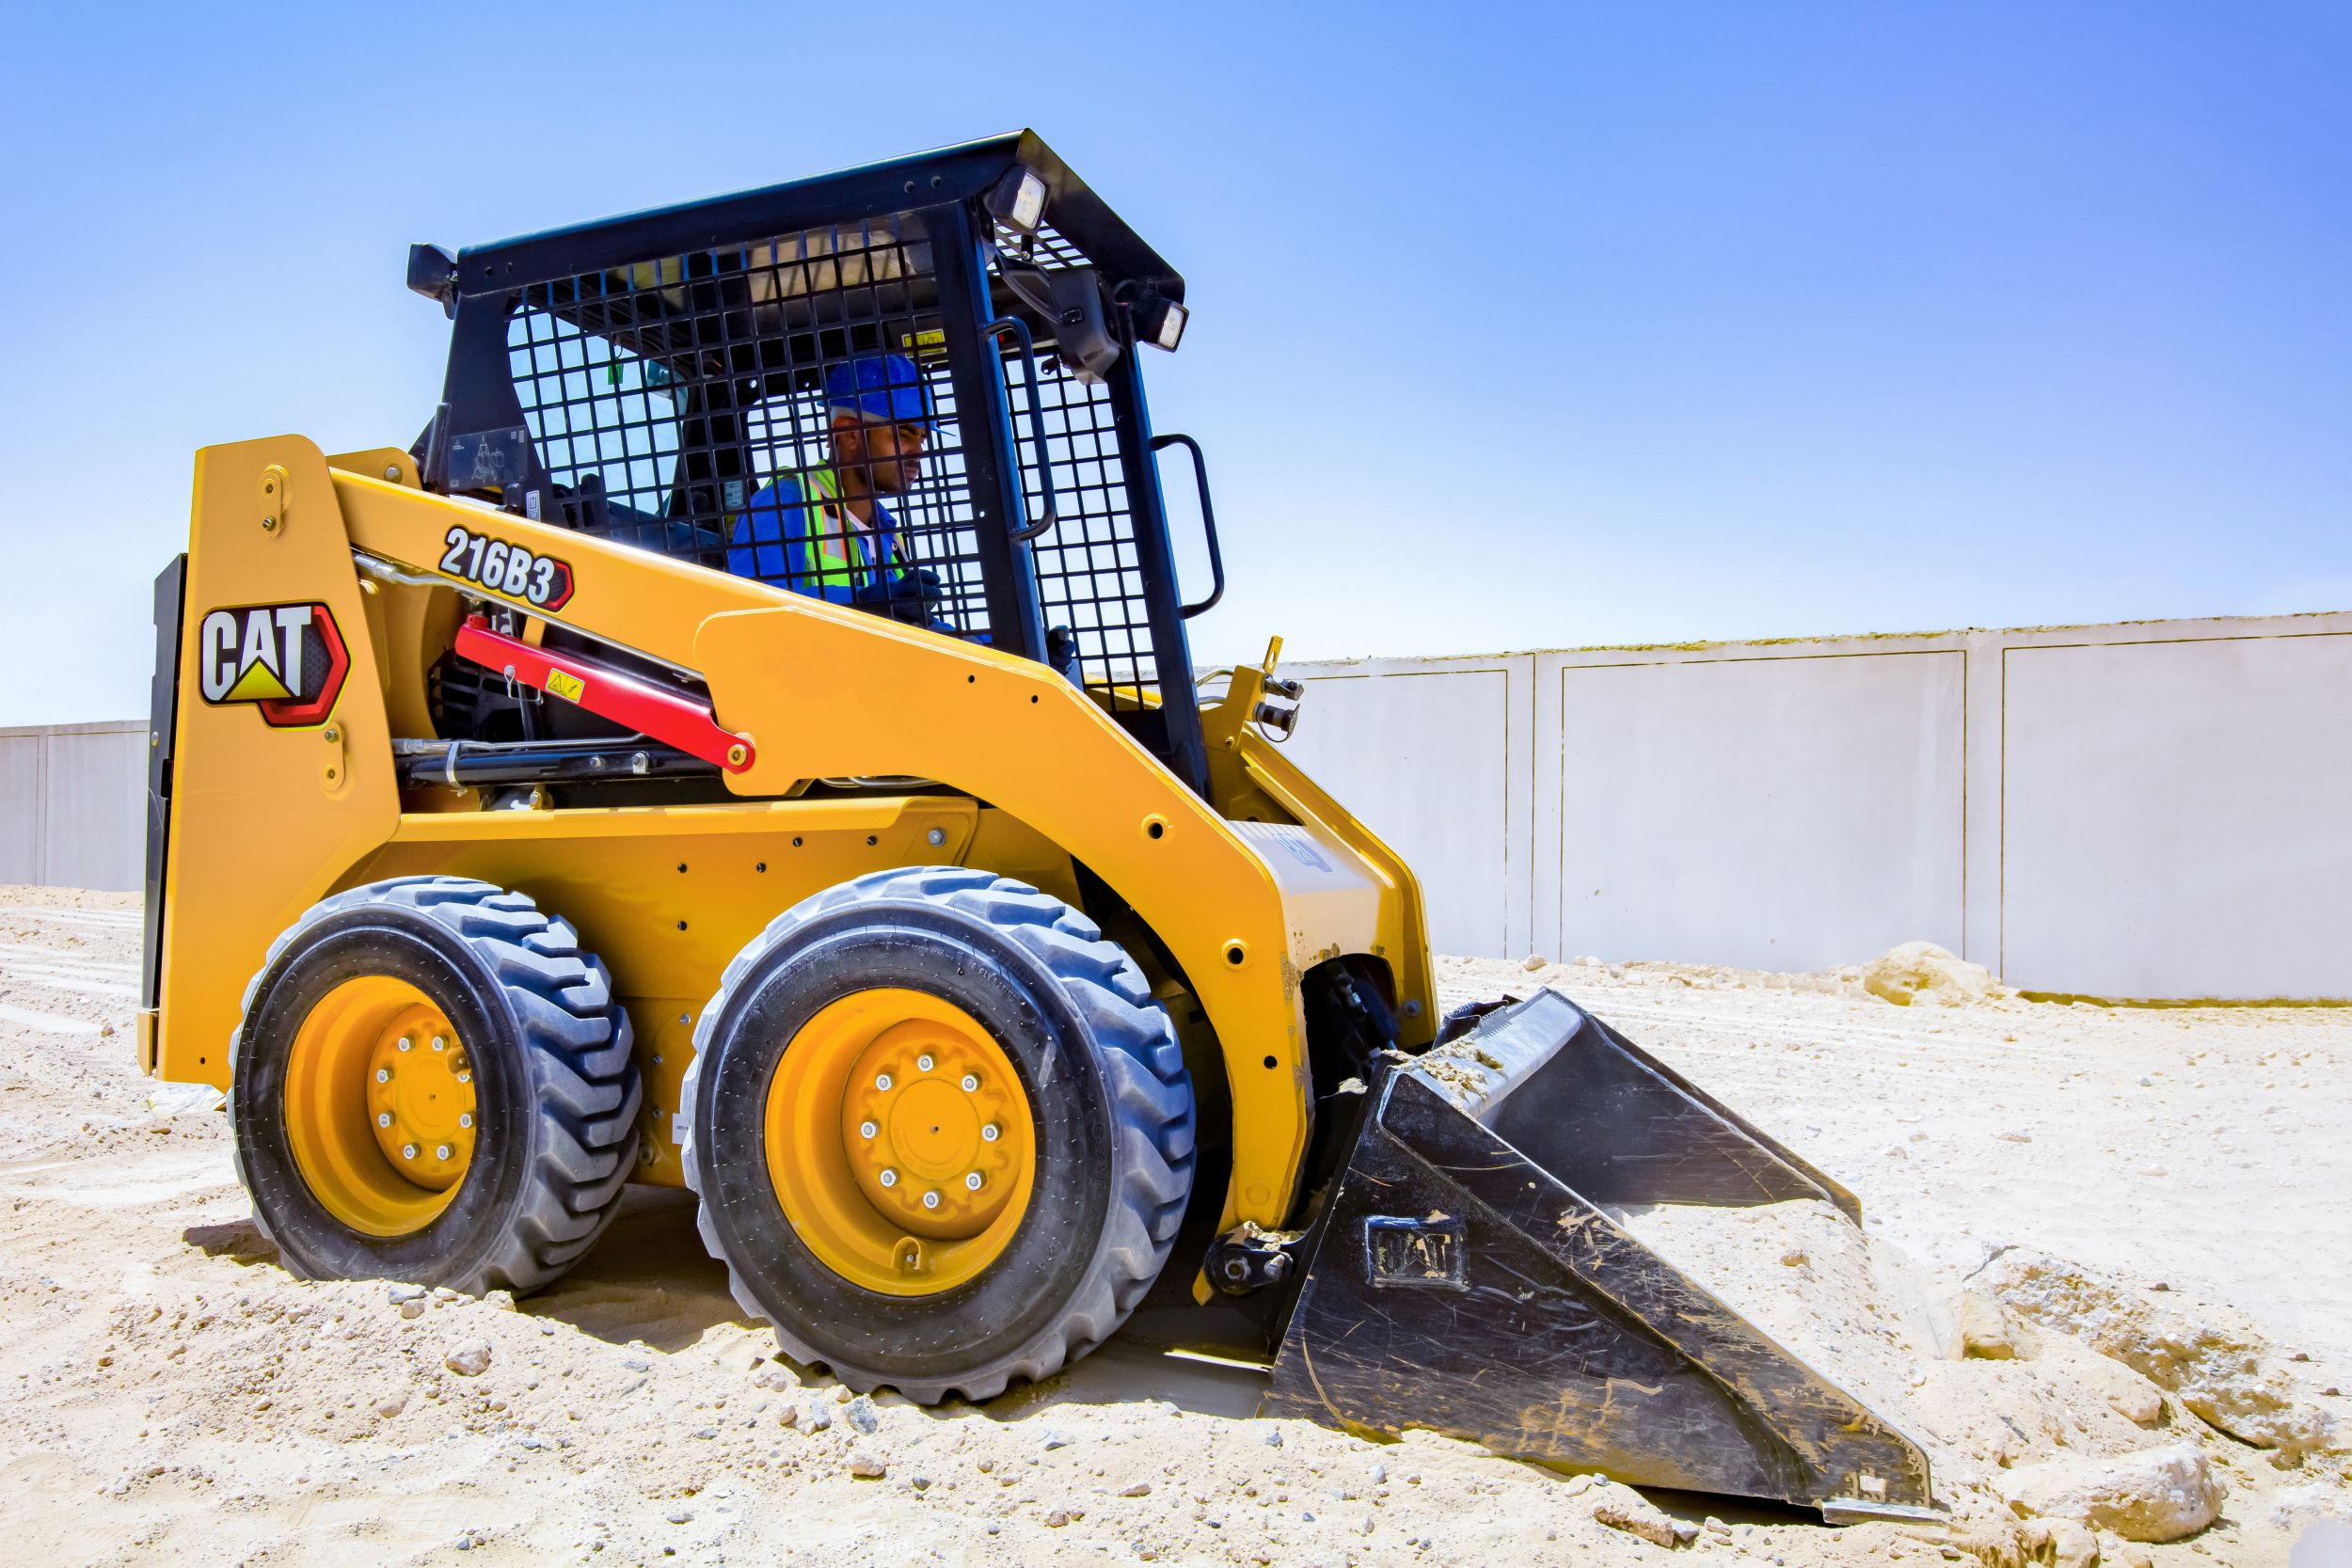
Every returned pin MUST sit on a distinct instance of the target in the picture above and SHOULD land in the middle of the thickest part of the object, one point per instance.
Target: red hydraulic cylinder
(610, 692)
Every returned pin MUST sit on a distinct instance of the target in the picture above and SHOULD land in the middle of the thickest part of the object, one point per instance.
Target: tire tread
(579, 1051)
(1149, 1096)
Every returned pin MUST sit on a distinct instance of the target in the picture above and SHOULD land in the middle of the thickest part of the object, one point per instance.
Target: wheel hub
(380, 1106)
(421, 1098)
(899, 1141)
(942, 1143)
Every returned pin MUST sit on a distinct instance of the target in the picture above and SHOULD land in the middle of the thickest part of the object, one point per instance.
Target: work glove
(910, 596)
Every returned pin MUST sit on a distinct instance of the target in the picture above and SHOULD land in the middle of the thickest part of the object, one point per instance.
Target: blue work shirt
(808, 545)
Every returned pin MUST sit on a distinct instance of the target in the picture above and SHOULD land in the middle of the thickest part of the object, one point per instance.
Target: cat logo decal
(289, 660)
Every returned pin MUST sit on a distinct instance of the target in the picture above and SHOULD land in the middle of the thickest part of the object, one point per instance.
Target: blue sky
(1514, 327)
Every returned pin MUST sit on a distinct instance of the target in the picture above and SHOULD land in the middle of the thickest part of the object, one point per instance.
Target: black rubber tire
(1107, 1085)
(555, 1084)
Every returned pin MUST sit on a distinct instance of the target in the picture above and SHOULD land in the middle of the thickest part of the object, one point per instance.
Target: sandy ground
(176, 1396)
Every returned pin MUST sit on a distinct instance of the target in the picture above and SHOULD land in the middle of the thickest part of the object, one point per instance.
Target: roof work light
(1018, 201)
(1160, 321)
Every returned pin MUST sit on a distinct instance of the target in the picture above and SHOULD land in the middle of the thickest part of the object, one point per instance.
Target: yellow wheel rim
(380, 1105)
(900, 1142)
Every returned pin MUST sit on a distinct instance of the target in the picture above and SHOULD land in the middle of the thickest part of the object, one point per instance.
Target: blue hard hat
(885, 387)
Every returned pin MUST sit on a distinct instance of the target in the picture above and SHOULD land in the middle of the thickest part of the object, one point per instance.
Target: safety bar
(1208, 521)
(1020, 329)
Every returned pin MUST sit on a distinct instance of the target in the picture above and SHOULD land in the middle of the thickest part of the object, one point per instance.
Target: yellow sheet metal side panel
(1403, 926)
(1020, 736)
(1330, 898)
(265, 818)
(825, 691)
(667, 894)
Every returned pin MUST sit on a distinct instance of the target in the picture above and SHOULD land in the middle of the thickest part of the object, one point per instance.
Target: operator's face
(890, 455)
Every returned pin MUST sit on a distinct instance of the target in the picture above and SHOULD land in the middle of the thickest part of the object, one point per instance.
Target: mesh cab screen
(784, 410)
(778, 409)
(1089, 582)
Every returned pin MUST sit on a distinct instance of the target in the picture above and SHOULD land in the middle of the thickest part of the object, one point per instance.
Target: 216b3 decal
(288, 660)
(539, 580)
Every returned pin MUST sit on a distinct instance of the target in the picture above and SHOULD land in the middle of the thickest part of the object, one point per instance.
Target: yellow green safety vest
(832, 555)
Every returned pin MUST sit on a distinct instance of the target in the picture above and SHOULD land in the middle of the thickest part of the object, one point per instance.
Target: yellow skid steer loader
(749, 743)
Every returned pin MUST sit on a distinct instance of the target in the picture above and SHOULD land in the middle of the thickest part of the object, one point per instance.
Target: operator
(826, 531)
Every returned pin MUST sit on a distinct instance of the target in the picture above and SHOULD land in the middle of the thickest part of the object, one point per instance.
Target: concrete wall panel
(1784, 811)
(20, 804)
(96, 792)
(2179, 818)
(73, 805)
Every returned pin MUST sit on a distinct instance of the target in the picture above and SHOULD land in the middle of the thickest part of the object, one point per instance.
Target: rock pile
(1919, 972)
(2221, 1372)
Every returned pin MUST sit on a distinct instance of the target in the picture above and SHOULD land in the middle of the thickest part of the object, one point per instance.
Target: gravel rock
(1622, 1508)
(412, 1309)
(2061, 1542)
(2295, 1509)
(1992, 1543)
(399, 1293)
(860, 1413)
(2156, 1495)
(1989, 1334)
(867, 1466)
(1135, 1489)
(392, 1404)
(467, 1357)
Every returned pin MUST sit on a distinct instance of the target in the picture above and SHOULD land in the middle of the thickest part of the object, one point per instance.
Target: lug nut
(406, 1044)
(866, 1129)
(440, 1044)
(468, 1077)
(889, 1178)
(408, 1151)
(442, 1153)
(970, 1082)
(383, 1119)
(382, 1075)
(465, 1118)
(923, 1063)
(972, 1182)
(931, 1200)
(881, 1082)
(988, 1134)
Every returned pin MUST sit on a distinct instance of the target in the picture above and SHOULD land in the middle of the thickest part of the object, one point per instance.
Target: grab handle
(1208, 521)
(1020, 329)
